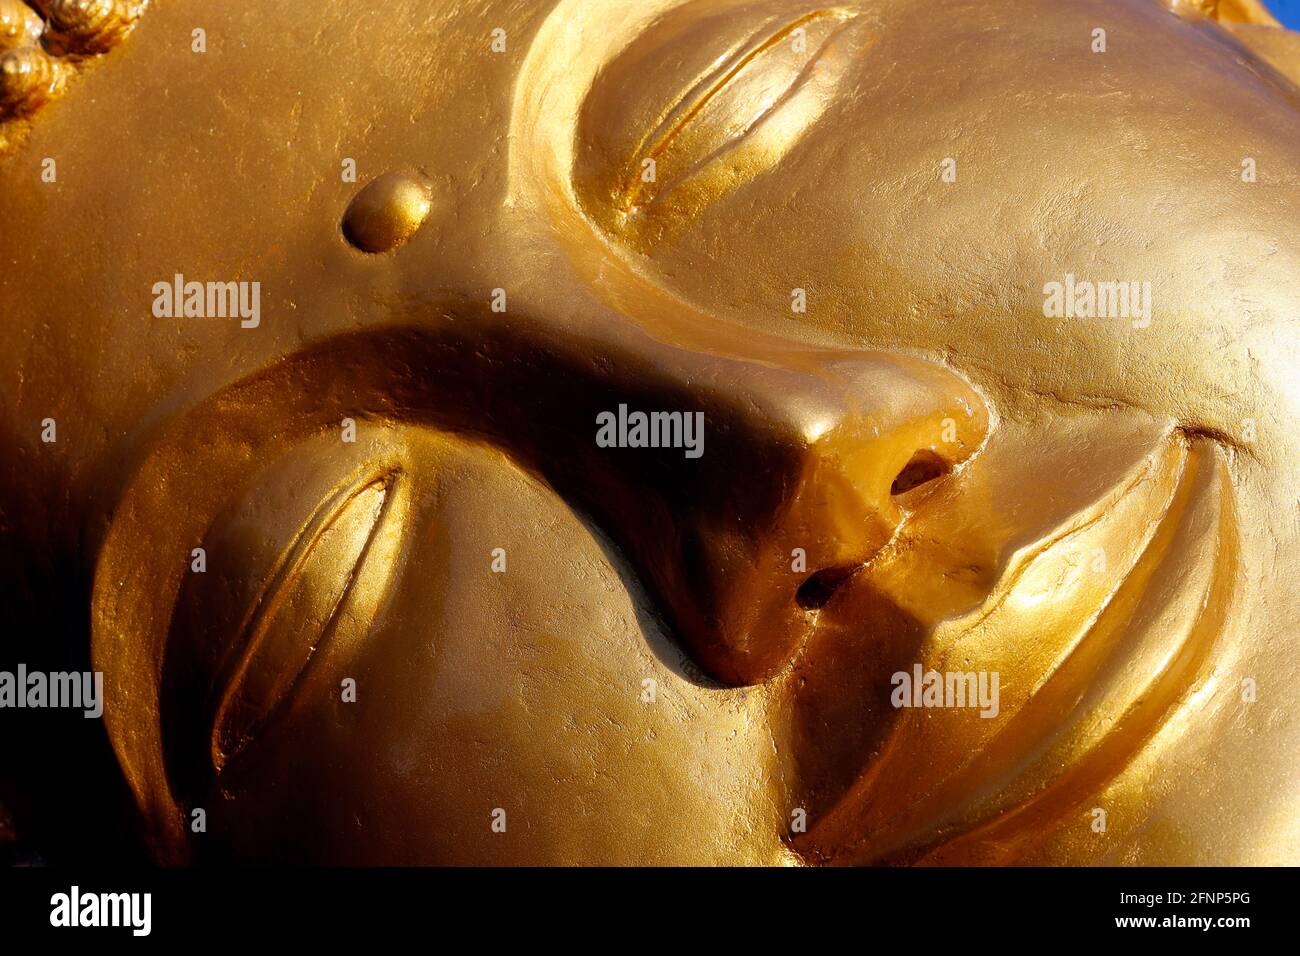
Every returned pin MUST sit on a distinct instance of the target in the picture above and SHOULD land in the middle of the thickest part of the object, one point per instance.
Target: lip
(1097, 631)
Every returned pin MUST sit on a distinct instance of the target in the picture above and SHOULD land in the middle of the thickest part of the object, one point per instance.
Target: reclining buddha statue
(783, 432)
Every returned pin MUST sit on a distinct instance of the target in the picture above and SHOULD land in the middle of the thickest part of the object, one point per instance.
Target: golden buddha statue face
(673, 431)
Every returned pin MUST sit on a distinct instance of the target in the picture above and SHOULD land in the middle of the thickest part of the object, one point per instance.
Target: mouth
(1096, 633)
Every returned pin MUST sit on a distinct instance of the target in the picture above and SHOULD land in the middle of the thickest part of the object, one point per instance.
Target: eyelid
(319, 600)
(722, 109)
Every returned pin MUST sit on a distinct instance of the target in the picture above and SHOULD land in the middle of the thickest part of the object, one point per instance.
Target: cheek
(524, 715)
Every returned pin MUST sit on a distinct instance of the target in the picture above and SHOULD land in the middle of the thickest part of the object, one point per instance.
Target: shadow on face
(858, 506)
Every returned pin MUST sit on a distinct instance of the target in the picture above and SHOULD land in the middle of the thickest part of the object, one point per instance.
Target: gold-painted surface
(950, 459)
(29, 78)
(387, 212)
(20, 25)
(90, 26)
(43, 43)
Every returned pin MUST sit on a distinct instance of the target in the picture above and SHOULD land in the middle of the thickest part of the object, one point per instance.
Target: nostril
(925, 466)
(817, 590)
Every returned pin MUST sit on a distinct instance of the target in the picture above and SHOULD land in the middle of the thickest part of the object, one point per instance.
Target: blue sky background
(1288, 11)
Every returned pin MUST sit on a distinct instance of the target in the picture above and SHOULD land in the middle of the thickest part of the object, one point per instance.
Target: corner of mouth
(1087, 684)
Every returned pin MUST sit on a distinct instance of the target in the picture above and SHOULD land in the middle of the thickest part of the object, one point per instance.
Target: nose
(742, 488)
(803, 476)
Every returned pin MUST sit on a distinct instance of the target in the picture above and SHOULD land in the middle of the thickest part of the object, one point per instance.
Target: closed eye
(321, 595)
(782, 78)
